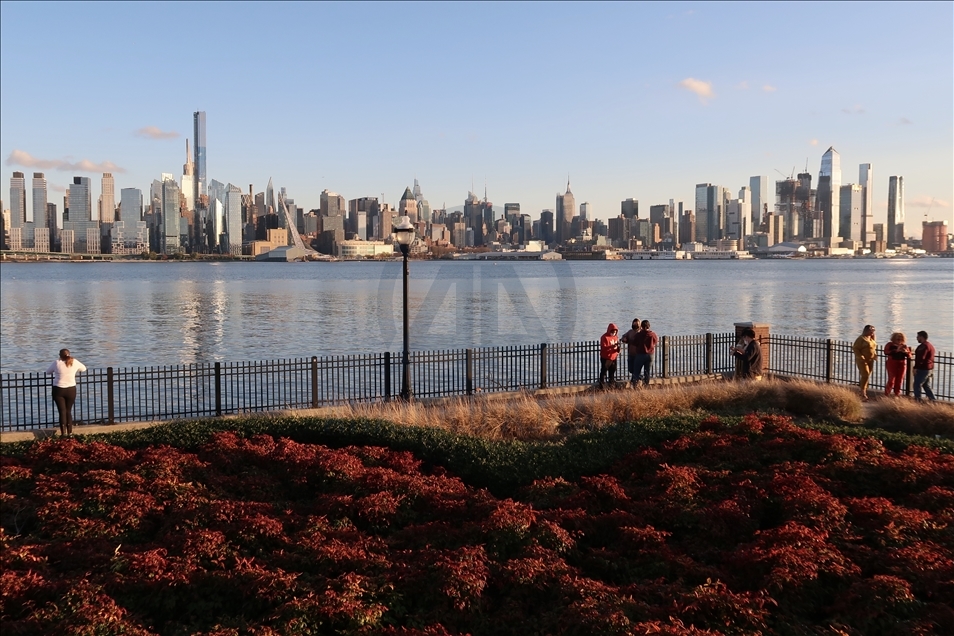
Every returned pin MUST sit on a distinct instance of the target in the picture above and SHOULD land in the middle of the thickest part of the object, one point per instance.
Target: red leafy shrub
(751, 525)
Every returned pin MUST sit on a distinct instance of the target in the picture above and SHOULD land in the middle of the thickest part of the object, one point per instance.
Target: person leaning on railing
(64, 371)
(866, 350)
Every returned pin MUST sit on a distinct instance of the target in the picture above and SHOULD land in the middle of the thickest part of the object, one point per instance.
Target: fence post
(665, 356)
(109, 395)
(387, 376)
(909, 377)
(314, 382)
(710, 361)
(543, 365)
(469, 358)
(218, 389)
(829, 360)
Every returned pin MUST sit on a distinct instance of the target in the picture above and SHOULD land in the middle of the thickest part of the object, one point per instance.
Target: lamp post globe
(404, 235)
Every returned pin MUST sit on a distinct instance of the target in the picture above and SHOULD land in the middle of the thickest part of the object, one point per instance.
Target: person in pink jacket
(64, 371)
(897, 354)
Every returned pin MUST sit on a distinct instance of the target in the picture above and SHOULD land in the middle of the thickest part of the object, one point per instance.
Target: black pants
(607, 367)
(64, 398)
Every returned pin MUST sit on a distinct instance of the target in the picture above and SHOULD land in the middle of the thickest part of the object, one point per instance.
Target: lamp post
(404, 235)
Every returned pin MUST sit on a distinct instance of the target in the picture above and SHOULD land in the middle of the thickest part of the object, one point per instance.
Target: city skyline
(647, 121)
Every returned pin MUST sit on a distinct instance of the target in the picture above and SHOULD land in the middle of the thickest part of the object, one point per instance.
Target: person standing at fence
(629, 338)
(923, 367)
(749, 353)
(64, 371)
(609, 351)
(897, 354)
(866, 350)
(646, 341)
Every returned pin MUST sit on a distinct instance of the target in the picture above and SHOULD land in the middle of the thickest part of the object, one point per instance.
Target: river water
(155, 314)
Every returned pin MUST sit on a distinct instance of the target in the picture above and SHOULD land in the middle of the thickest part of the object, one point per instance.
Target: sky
(640, 100)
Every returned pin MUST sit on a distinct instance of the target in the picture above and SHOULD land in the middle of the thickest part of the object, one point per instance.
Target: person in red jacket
(897, 354)
(609, 351)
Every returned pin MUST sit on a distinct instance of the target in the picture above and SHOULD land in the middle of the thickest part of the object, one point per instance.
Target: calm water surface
(144, 314)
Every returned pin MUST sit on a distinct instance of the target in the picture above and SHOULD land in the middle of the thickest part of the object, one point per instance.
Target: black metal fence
(203, 390)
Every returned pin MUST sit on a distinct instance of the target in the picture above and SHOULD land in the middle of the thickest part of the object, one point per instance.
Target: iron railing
(203, 390)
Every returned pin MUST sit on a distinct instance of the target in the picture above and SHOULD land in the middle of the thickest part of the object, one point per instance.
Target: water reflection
(157, 314)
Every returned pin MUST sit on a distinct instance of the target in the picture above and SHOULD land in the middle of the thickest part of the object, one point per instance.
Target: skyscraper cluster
(196, 214)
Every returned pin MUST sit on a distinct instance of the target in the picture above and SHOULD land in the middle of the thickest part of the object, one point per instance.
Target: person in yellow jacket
(865, 349)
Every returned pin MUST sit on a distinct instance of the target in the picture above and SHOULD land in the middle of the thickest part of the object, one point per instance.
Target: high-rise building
(333, 204)
(546, 233)
(40, 219)
(763, 201)
(81, 223)
(629, 208)
(829, 191)
(934, 236)
(687, 227)
(187, 184)
(895, 234)
(170, 233)
(201, 176)
(851, 200)
(702, 212)
(130, 205)
(408, 206)
(866, 180)
(565, 207)
(18, 216)
(233, 219)
(586, 211)
(107, 200)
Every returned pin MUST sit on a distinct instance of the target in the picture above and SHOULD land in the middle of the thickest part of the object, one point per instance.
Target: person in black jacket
(749, 353)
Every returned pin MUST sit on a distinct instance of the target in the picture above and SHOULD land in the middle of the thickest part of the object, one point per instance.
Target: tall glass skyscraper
(828, 194)
(762, 200)
(895, 235)
(201, 176)
(17, 200)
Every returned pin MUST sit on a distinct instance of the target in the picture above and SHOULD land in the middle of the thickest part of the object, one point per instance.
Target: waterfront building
(40, 218)
(17, 211)
(333, 204)
(364, 249)
(200, 182)
(546, 233)
(629, 208)
(81, 218)
(775, 229)
(170, 233)
(107, 199)
(866, 181)
(895, 234)
(408, 206)
(762, 201)
(934, 236)
(851, 201)
(233, 220)
(687, 227)
(828, 196)
(187, 183)
(565, 206)
(586, 211)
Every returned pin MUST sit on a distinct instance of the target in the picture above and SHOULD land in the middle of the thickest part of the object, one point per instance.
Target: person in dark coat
(749, 353)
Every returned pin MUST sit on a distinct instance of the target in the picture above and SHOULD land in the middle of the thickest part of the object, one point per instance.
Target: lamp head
(404, 231)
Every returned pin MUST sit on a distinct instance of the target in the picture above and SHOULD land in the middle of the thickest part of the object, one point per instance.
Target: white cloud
(743, 85)
(151, 132)
(768, 88)
(857, 110)
(904, 121)
(813, 142)
(56, 188)
(701, 88)
(25, 159)
(924, 201)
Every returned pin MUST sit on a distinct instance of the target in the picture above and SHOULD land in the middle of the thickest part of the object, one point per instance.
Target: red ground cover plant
(756, 527)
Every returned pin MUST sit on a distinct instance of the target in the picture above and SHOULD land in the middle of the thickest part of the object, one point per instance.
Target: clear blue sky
(630, 100)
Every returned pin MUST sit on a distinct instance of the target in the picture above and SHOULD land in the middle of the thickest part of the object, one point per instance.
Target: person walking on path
(923, 367)
(629, 338)
(64, 371)
(646, 341)
(609, 351)
(897, 354)
(749, 353)
(866, 350)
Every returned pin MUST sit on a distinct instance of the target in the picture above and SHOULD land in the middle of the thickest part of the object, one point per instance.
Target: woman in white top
(64, 372)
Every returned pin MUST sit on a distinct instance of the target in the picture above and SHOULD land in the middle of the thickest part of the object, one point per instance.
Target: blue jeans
(922, 379)
(642, 366)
